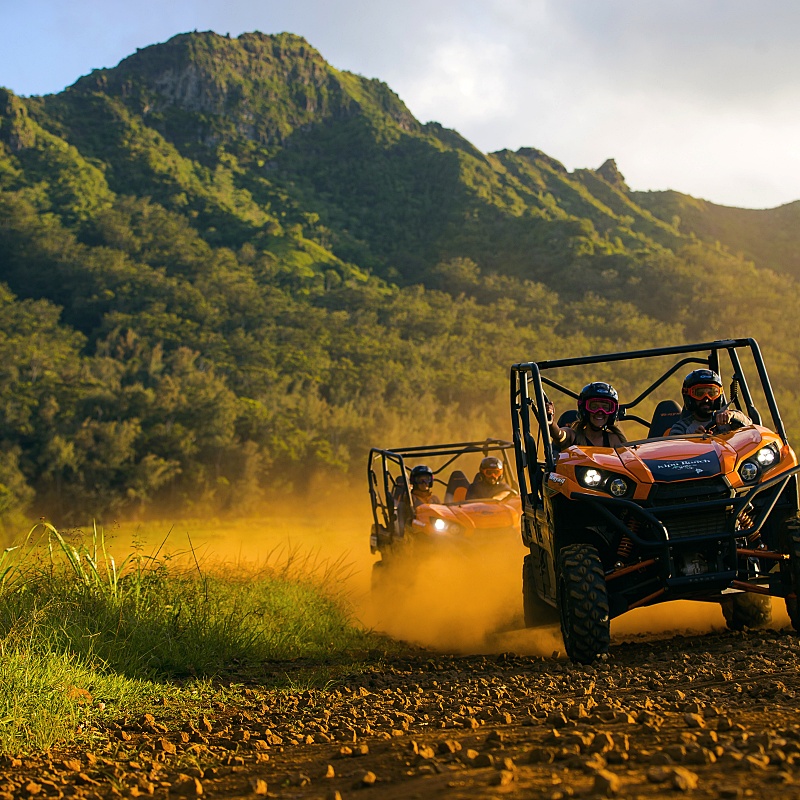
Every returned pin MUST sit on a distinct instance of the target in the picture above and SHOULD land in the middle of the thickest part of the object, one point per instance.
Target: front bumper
(693, 550)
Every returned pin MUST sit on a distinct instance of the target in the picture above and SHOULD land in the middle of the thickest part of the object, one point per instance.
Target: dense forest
(228, 269)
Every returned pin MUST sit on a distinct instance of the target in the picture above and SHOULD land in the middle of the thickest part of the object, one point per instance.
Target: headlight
(767, 456)
(749, 471)
(764, 459)
(618, 487)
(592, 478)
(440, 525)
(600, 480)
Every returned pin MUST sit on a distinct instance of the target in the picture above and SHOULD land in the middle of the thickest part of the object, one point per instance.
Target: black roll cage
(525, 404)
(398, 455)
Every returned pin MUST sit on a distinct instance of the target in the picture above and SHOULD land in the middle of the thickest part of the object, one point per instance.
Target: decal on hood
(554, 478)
(703, 466)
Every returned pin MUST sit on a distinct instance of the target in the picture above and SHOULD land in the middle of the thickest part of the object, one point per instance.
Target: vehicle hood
(679, 459)
(477, 514)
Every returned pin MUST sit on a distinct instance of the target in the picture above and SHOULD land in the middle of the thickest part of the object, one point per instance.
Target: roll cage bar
(382, 459)
(525, 403)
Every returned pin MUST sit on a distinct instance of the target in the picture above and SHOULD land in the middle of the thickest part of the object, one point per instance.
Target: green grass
(84, 638)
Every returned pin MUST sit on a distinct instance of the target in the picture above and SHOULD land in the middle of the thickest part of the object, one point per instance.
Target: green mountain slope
(240, 268)
(769, 237)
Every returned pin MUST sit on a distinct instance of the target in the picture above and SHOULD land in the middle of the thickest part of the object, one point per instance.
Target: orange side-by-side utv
(403, 529)
(710, 516)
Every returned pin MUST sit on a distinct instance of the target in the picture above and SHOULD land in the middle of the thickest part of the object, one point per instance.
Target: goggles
(602, 405)
(423, 480)
(709, 390)
(493, 472)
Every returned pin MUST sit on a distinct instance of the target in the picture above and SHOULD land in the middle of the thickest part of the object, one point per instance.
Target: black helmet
(700, 383)
(491, 469)
(422, 474)
(601, 391)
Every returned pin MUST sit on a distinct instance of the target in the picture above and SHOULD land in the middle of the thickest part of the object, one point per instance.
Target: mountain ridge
(239, 268)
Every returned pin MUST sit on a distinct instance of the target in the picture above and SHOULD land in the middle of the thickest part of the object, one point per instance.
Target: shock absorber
(624, 548)
(626, 545)
(746, 521)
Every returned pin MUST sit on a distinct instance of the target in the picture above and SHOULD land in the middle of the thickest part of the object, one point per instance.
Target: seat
(664, 417)
(399, 489)
(457, 486)
(402, 510)
(567, 418)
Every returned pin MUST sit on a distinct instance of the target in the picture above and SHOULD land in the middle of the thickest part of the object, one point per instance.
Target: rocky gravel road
(708, 716)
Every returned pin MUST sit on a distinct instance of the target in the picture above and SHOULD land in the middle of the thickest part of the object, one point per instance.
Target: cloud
(464, 80)
(696, 96)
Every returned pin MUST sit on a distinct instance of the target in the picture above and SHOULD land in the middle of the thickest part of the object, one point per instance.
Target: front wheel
(747, 611)
(583, 603)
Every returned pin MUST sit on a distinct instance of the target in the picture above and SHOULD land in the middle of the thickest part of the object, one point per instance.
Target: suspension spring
(625, 548)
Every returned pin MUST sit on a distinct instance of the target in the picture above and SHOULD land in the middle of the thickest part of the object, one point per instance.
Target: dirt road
(714, 715)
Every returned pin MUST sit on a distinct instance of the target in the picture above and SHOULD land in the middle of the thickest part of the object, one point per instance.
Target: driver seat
(457, 486)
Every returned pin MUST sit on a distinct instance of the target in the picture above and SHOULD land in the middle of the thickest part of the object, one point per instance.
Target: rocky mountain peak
(609, 172)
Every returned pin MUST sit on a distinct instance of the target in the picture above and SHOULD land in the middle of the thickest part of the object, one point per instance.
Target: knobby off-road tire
(536, 611)
(747, 610)
(379, 578)
(583, 603)
(793, 543)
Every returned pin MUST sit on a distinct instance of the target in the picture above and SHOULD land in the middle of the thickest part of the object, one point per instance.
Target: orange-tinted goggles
(601, 405)
(709, 390)
(493, 472)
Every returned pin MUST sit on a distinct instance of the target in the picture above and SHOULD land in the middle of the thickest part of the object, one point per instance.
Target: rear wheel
(747, 610)
(793, 567)
(583, 603)
(536, 610)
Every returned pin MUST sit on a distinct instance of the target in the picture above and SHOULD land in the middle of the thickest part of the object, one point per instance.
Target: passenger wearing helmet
(489, 483)
(422, 486)
(598, 406)
(703, 406)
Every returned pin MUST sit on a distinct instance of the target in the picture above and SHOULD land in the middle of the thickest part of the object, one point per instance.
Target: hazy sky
(700, 96)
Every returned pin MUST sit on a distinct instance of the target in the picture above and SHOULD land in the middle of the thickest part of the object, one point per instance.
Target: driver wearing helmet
(703, 400)
(489, 481)
(422, 486)
(598, 406)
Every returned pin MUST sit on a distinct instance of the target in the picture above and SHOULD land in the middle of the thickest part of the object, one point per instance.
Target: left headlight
(598, 479)
(440, 525)
(751, 468)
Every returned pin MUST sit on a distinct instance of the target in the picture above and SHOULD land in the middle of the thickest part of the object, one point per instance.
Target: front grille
(701, 490)
(705, 523)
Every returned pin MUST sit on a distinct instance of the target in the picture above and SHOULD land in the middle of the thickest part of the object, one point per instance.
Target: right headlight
(768, 455)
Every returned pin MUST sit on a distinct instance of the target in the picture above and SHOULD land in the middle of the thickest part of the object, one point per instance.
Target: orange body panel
(630, 460)
(471, 517)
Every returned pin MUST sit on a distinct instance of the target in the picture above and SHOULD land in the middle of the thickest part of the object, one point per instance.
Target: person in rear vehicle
(422, 486)
(598, 406)
(489, 483)
(703, 406)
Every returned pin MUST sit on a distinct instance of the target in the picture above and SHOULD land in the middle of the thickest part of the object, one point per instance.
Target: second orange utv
(451, 519)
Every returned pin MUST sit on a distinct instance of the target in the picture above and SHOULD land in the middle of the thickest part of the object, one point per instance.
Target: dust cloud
(452, 597)
(457, 599)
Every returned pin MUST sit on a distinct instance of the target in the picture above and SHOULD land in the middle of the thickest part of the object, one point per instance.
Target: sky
(699, 96)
